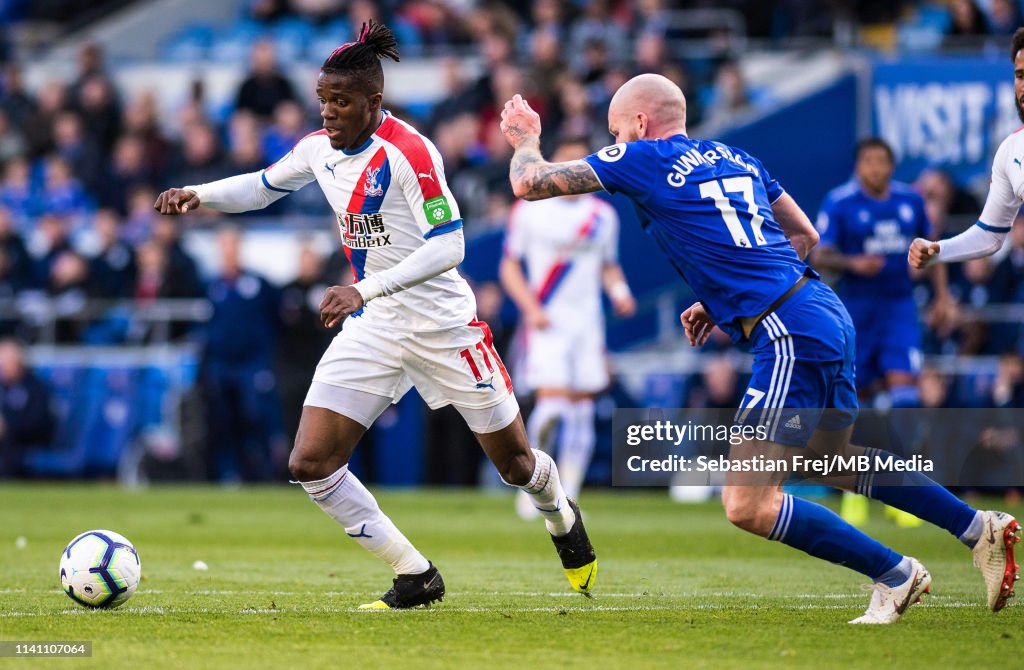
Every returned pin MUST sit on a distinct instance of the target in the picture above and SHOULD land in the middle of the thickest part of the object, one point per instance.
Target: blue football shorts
(803, 375)
(888, 337)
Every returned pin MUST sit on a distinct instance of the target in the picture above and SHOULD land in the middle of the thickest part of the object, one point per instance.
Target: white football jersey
(1006, 192)
(565, 242)
(389, 196)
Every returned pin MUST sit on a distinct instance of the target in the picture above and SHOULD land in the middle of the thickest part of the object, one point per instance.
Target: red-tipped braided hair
(362, 58)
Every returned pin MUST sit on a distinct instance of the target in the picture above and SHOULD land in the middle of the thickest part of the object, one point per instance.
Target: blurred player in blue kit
(739, 241)
(865, 226)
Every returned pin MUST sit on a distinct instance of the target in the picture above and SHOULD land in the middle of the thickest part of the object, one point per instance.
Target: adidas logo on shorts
(794, 423)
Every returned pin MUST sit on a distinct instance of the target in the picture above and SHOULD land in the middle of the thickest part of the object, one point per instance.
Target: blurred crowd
(960, 24)
(437, 26)
(81, 163)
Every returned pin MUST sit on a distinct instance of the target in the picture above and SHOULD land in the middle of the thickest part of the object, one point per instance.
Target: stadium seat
(394, 463)
(153, 385)
(234, 44)
(882, 37)
(409, 37)
(189, 44)
(75, 400)
(113, 426)
(326, 39)
(100, 410)
(291, 38)
(926, 30)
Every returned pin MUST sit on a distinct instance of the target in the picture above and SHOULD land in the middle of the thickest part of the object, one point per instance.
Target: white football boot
(889, 603)
(993, 555)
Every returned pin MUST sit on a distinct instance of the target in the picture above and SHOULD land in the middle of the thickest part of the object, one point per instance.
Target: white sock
(548, 497)
(539, 427)
(348, 502)
(577, 447)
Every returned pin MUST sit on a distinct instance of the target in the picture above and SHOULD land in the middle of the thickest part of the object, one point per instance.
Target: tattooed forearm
(533, 178)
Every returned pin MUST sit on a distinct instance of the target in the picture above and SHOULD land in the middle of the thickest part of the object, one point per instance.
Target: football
(100, 569)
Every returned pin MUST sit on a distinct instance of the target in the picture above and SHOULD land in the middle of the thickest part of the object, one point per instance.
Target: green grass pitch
(678, 588)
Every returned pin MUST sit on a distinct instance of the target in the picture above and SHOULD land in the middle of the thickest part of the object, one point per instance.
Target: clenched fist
(176, 201)
(339, 302)
(519, 122)
(922, 253)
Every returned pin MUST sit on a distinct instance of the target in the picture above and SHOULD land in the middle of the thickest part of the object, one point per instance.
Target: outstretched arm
(532, 177)
(244, 192)
(240, 193)
(978, 241)
(986, 236)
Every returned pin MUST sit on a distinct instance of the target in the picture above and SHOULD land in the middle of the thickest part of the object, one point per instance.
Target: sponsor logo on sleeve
(437, 210)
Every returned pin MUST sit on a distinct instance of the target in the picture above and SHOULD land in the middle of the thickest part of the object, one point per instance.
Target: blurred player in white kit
(570, 250)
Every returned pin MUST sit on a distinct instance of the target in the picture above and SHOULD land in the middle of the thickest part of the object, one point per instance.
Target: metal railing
(152, 319)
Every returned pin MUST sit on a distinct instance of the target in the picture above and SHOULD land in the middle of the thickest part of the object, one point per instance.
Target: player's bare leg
(535, 473)
(319, 462)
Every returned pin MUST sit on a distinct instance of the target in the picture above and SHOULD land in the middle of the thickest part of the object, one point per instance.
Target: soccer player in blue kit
(739, 241)
(866, 226)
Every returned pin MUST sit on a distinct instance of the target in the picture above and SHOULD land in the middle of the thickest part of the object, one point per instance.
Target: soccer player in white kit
(984, 238)
(1005, 195)
(559, 297)
(411, 322)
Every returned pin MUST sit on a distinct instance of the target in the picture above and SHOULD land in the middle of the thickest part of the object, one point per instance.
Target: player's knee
(517, 469)
(304, 469)
(741, 516)
(745, 512)
(303, 465)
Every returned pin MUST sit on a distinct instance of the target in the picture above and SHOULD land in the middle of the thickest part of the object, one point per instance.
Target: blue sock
(918, 494)
(898, 575)
(823, 534)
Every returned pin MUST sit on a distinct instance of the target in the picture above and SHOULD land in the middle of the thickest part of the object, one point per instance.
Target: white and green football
(100, 569)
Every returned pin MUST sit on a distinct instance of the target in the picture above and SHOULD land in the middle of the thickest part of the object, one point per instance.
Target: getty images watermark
(969, 448)
(803, 462)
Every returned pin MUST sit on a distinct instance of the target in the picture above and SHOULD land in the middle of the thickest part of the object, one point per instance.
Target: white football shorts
(566, 358)
(458, 366)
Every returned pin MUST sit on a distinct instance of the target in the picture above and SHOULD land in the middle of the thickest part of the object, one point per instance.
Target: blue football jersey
(708, 206)
(856, 224)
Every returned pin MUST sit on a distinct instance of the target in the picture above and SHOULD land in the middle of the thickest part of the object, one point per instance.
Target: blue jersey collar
(864, 192)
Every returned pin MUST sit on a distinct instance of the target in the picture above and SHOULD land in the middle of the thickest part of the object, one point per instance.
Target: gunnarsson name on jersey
(689, 160)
